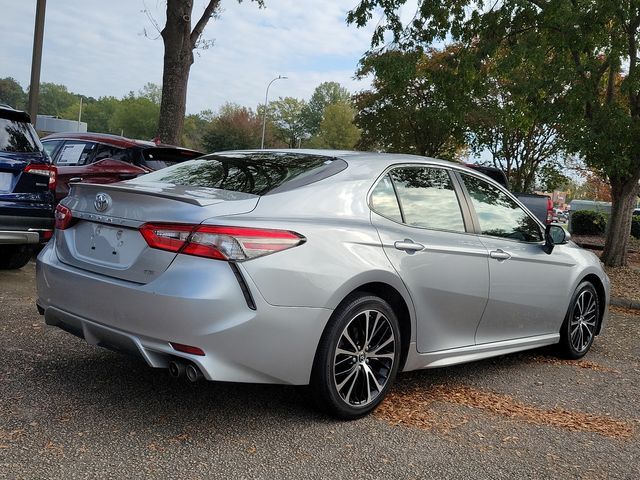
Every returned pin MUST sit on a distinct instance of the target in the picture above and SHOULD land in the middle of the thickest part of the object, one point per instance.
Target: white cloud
(98, 48)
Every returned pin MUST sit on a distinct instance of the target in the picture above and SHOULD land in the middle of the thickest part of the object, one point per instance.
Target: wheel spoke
(381, 355)
(373, 377)
(346, 335)
(354, 370)
(380, 347)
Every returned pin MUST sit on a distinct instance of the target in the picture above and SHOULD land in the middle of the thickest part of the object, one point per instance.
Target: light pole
(266, 103)
(36, 60)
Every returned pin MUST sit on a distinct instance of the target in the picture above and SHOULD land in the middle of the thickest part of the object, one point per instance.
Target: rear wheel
(579, 328)
(14, 256)
(358, 358)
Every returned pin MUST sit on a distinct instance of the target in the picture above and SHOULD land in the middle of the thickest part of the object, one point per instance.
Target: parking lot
(68, 410)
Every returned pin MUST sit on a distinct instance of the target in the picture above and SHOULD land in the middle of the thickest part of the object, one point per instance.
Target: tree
(337, 130)
(135, 116)
(12, 94)
(234, 128)
(590, 50)
(512, 115)
(413, 105)
(325, 94)
(180, 40)
(195, 127)
(286, 114)
(55, 99)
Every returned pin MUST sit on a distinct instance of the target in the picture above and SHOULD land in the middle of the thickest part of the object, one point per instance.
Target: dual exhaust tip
(178, 369)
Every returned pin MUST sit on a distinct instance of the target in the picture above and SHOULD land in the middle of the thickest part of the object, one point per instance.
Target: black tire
(581, 322)
(14, 256)
(353, 373)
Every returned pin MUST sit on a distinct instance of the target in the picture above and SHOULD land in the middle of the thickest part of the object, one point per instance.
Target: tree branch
(209, 11)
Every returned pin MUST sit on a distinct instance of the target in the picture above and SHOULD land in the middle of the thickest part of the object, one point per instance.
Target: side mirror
(554, 235)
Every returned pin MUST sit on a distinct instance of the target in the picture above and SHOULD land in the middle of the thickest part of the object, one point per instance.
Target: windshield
(256, 173)
(17, 137)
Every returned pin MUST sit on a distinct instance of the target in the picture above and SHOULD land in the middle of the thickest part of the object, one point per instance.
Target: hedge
(589, 222)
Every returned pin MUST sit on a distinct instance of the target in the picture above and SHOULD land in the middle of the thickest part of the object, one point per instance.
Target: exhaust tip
(176, 369)
(193, 373)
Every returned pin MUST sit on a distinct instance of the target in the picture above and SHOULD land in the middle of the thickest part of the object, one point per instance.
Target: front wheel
(579, 328)
(357, 358)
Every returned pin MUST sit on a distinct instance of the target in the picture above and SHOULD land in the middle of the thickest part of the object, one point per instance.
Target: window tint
(75, 153)
(499, 215)
(50, 146)
(104, 151)
(427, 198)
(384, 200)
(17, 137)
(161, 157)
(254, 172)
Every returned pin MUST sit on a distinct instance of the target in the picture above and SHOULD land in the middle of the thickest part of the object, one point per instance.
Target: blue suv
(27, 184)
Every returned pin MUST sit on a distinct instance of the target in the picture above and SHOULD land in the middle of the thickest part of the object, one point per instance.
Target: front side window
(499, 215)
(428, 198)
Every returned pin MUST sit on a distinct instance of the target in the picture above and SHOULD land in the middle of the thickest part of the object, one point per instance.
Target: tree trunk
(624, 192)
(178, 58)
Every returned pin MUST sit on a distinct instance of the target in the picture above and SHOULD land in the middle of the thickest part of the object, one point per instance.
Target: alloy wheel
(583, 321)
(364, 358)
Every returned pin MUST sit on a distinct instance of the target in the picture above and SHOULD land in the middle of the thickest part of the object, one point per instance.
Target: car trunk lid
(105, 236)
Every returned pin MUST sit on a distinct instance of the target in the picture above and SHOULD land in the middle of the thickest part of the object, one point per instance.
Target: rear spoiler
(15, 115)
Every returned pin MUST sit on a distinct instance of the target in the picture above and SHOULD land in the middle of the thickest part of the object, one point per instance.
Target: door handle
(408, 246)
(75, 180)
(127, 176)
(499, 254)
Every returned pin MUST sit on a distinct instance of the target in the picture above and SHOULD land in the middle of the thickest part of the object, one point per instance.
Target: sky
(99, 48)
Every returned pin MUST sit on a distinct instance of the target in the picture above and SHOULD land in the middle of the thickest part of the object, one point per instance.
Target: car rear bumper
(20, 230)
(195, 302)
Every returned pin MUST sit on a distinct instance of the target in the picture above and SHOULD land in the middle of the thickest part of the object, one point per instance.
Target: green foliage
(12, 94)
(325, 94)
(135, 117)
(635, 226)
(416, 103)
(588, 222)
(286, 114)
(234, 127)
(337, 130)
(55, 100)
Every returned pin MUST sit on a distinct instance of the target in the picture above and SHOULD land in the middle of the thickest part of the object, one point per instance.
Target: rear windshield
(256, 173)
(161, 157)
(17, 137)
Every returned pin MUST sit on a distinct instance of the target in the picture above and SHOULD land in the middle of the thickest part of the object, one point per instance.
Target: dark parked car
(27, 180)
(103, 158)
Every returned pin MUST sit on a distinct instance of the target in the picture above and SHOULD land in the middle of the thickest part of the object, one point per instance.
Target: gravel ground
(68, 410)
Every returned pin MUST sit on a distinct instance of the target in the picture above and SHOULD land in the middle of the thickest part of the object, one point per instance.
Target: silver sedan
(334, 269)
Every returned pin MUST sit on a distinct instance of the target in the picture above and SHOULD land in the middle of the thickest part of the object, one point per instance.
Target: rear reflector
(219, 242)
(187, 349)
(63, 217)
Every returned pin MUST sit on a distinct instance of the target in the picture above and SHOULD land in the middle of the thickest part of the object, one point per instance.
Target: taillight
(63, 217)
(46, 170)
(549, 210)
(219, 242)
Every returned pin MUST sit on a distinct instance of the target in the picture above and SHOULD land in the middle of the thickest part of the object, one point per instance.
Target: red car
(104, 158)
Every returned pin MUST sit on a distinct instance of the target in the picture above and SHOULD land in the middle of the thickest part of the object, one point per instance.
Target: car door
(425, 233)
(528, 288)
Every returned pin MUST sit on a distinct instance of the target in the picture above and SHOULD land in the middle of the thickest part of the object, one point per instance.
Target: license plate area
(6, 182)
(107, 245)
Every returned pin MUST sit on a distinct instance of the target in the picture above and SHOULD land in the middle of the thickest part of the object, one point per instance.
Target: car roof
(106, 138)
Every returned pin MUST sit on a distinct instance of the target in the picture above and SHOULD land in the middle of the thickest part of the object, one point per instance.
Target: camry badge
(102, 202)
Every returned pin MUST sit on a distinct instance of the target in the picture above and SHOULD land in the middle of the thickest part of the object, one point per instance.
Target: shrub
(635, 226)
(588, 222)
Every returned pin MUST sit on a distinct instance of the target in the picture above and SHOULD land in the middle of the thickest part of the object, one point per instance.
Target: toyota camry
(333, 269)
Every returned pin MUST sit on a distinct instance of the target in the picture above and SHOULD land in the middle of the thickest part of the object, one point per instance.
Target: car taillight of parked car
(63, 217)
(219, 242)
(550, 213)
(49, 171)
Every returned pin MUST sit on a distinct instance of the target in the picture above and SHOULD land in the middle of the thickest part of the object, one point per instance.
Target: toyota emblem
(102, 202)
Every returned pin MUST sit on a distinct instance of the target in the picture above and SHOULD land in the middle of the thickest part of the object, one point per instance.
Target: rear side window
(384, 200)
(255, 173)
(160, 157)
(75, 153)
(17, 137)
(428, 198)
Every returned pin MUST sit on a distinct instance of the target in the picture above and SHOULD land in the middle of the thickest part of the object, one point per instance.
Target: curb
(625, 303)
